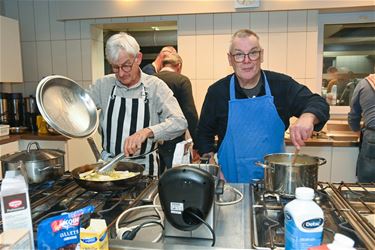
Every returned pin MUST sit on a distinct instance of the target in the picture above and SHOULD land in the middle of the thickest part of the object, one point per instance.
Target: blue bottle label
(295, 238)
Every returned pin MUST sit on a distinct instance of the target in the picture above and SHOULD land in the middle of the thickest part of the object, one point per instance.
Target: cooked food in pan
(111, 176)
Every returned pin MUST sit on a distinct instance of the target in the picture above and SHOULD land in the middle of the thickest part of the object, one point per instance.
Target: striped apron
(122, 118)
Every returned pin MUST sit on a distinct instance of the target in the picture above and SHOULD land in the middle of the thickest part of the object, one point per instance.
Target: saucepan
(283, 176)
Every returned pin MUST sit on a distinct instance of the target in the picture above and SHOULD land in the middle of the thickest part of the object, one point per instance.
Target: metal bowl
(66, 106)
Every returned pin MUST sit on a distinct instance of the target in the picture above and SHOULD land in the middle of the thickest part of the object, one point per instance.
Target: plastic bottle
(334, 95)
(304, 221)
(15, 204)
(340, 242)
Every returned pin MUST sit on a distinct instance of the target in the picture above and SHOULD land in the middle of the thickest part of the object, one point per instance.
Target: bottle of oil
(303, 221)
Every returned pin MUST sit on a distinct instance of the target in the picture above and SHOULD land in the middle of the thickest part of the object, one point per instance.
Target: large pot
(37, 164)
(283, 177)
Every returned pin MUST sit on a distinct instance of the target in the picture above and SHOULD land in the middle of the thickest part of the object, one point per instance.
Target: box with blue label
(95, 236)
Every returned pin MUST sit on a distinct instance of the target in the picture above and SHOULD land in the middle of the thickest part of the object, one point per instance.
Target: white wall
(66, 48)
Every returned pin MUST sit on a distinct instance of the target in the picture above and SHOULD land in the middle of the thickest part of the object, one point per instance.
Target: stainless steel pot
(37, 164)
(283, 177)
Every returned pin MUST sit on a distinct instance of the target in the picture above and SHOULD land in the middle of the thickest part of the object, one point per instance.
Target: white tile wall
(74, 48)
(42, 28)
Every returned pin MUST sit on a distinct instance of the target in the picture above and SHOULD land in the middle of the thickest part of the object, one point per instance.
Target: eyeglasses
(124, 67)
(252, 55)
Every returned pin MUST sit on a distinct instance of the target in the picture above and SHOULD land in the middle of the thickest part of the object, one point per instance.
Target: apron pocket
(247, 170)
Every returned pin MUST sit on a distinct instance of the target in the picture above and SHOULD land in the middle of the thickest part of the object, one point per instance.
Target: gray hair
(173, 59)
(119, 42)
(241, 34)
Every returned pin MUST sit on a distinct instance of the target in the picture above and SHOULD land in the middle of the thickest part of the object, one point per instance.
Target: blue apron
(254, 130)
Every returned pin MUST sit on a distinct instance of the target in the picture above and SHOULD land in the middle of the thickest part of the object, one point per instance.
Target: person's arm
(134, 142)
(186, 101)
(355, 113)
(207, 125)
(172, 121)
(302, 129)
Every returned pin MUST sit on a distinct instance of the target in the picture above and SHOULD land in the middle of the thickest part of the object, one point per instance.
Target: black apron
(122, 118)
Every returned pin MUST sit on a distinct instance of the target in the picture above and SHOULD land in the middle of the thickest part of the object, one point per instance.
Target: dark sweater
(182, 90)
(290, 98)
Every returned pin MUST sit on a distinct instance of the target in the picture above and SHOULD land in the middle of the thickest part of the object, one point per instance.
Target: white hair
(119, 42)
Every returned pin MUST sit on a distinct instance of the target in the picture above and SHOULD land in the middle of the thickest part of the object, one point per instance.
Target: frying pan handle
(93, 147)
(57, 166)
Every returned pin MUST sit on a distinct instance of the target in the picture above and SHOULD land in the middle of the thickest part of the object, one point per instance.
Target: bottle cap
(304, 193)
(341, 241)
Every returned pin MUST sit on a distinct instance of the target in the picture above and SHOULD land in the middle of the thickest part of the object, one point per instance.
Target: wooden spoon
(294, 159)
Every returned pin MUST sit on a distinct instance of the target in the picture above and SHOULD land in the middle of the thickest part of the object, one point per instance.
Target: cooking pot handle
(260, 164)
(22, 169)
(58, 166)
(321, 161)
(30, 144)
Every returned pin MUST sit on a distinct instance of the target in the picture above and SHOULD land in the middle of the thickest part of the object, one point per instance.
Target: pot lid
(66, 106)
(34, 154)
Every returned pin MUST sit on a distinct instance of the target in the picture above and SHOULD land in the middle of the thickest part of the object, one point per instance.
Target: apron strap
(232, 91)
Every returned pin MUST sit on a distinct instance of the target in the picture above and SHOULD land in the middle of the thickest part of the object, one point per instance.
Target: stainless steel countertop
(232, 231)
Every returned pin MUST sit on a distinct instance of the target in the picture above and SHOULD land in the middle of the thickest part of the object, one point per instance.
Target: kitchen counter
(31, 136)
(232, 230)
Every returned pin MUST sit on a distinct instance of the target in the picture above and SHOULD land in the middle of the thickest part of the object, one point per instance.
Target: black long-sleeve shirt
(290, 98)
(182, 90)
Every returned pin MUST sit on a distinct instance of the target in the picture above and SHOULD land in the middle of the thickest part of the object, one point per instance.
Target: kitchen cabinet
(10, 47)
(341, 162)
(344, 160)
(8, 148)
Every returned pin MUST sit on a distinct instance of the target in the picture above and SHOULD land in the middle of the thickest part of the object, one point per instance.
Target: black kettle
(186, 195)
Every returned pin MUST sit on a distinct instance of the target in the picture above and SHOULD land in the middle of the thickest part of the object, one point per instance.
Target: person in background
(249, 112)
(156, 65)
(137, 109)
(363, 106)
(182, 90)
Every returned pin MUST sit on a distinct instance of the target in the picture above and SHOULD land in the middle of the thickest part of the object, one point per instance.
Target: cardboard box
(95, 236)
(15, 239)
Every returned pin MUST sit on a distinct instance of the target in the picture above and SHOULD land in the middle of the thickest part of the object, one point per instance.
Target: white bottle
(303, 221)
(334, 95)
(15, 204)
(341, 242)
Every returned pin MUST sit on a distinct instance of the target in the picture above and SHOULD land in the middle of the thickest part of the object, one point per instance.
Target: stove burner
(267, 216)
(65, 195)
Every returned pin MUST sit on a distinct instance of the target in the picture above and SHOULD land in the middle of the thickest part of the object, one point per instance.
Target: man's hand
(302, 129)
(133, 143)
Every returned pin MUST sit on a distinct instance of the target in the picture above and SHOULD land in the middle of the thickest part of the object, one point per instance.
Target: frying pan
(109, 185)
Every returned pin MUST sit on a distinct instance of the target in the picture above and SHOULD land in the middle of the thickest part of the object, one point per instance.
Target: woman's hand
(134, 142)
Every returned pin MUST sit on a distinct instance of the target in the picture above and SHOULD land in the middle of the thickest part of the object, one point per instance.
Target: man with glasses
(137, 109)
(249, 112)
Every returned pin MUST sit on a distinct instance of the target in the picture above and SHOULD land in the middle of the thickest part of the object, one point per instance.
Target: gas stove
(64, 195)
(348, 209)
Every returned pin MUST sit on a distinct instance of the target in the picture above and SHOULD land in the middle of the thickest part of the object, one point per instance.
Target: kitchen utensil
(295, 156)
(15, 104)
(108, 185)
(38, 164)
(18, 130)
(66, 106)
(4, 108)
(282, 177)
